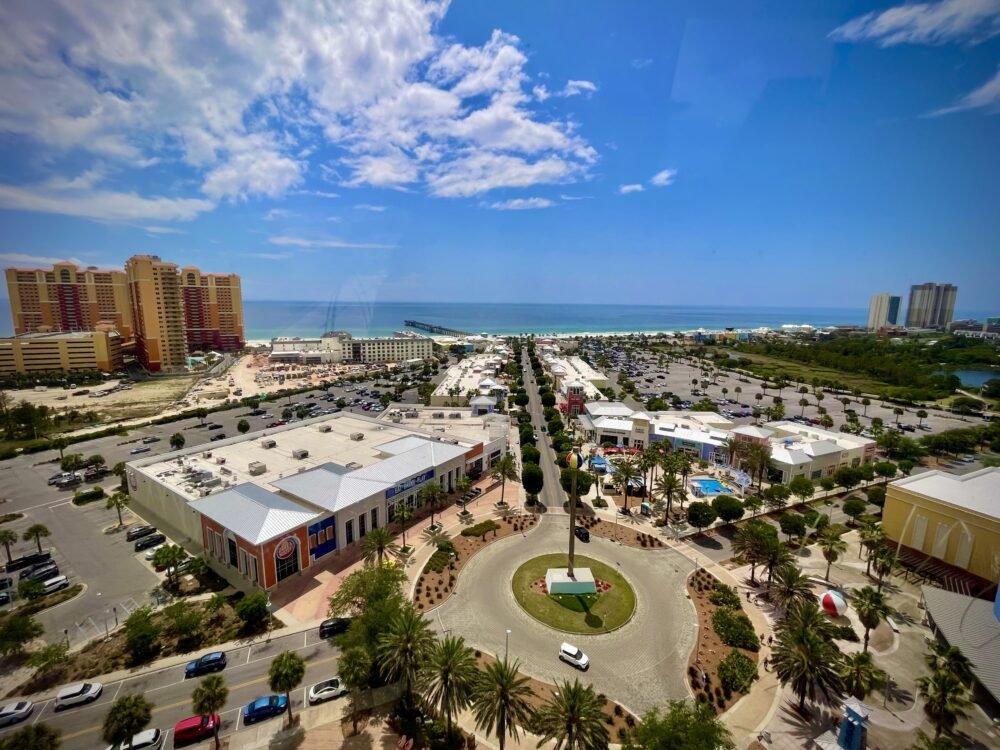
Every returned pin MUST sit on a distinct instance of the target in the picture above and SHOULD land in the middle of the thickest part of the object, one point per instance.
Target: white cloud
(249, 98)
(277, 213)
(925, 23)
(578, 87)
(26, 260)
(162, 230)
(564, 197)
(270, 256)
(663, 177)
(626, 189)
(986, 97)
(325, 243)
(335, 219)
(369, 207)
(642, 62)
(480, 172)
(101, 204)
(521, 204)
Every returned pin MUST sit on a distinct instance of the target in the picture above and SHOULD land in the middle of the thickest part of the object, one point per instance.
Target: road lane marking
(187, 701)
(40, 712)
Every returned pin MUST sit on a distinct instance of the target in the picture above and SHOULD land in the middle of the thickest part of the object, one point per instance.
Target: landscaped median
(611, 607)
(439, 577)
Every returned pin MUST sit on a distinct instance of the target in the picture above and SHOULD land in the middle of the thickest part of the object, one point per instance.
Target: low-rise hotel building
(267, 505)
(812, 452)
(339, 347)
(76, 351)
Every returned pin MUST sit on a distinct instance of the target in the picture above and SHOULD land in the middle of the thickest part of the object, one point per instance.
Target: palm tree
(573, 719)
(500, 701)
(805, 656)
(884, 561)
(921, 416)
(625, 471)
(790, 585)
(871, 607)
(355, 670)
(832, 546)
(7, 538)
(127, 716)
(285, 674)
(403, 649)
(648, 460)
(36, 532)
(502, 470)
(945, 699)
(872, 537)
(934, 743)
(169, 556)
(210, 697)
(119, 501)
(378, 542)
(448, 678)
(949, 659)
(775, 555)
(683, 462)
(403, 514)
(431, 494)
(666, 487)
(861, 676)
(750, 543)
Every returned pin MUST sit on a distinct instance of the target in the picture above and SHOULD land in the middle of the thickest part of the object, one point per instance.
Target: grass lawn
(807, 372)
(589, 614)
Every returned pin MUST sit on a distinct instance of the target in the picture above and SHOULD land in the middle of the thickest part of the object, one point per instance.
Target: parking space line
(120, 684)
(248, 656)
(41, 711)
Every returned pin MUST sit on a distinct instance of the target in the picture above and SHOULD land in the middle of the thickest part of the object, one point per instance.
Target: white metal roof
(978, 491)
(752, 431)
(969, 624)
(254, 513)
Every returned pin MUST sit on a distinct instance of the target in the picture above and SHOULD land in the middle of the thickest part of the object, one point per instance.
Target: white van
(55, 584)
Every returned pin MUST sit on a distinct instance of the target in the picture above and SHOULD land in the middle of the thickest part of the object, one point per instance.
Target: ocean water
(266, 319)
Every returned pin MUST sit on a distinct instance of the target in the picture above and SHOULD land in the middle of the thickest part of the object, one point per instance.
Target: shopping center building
(267, 505)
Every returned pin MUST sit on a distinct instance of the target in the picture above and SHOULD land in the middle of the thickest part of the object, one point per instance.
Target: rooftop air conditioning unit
(220, 460)
(300, 453)
(352, 465)
(438, 415)
(324, 428)
(268, 443)
(357, 436)
(256, 468)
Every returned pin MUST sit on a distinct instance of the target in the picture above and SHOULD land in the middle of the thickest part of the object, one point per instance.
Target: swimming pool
(709, 487)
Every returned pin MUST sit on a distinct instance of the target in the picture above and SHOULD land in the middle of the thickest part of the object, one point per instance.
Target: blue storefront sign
(409, 484)
(322, 537)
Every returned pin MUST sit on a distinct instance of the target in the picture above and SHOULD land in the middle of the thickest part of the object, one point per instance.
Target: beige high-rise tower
(68, 298)
(213, 310)
(157, 313)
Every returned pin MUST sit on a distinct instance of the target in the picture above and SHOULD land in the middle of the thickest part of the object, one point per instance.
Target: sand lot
(143, 399)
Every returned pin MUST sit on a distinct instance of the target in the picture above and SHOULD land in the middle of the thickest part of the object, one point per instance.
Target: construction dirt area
(143, 399)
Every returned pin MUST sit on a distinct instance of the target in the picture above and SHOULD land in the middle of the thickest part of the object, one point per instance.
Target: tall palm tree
(861, 676)
(666, 487)
(505, 468)
(648, 460)
(403, 649)
(127, 716)
(625, 471)
(949, 659)
(430, 495)
(210, 697)
(377, 544)
(945, 699)
(36, 533)
(285, 674)
(871, 607)
(573, 719)
(7, 538)
(119, 501)
(683, 462)
(500, 701)
(832, 547)
(934, 743)
(403, 514)
(804, 655)
(776, 554)
(750, 543)
(884, 561)
(449, 676)
(790, 585)
(872, 537)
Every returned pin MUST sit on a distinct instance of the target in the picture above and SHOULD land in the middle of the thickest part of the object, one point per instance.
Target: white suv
(150, 739)
(572, 655)
(75, 695)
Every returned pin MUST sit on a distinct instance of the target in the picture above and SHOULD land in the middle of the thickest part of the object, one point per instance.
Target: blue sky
(759, 153)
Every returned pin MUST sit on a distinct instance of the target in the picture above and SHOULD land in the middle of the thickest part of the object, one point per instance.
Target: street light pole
(269, 618)
(506, 644)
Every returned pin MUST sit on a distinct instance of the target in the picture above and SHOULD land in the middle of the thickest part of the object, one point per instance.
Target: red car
(196, 728)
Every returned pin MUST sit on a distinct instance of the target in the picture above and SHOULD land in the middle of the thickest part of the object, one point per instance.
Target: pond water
(975, 378)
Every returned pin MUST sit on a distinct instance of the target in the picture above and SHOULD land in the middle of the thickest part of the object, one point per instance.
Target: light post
(114, 610)
(66, 634)
(268, 618)
(107, 635)
(506, 644)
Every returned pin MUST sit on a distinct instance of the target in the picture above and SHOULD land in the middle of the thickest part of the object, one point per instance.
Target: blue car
(264, 708)
(213, 662)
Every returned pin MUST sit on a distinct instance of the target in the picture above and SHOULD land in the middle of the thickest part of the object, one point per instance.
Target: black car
(138, 532)
(334, 626)
(215, 426)
(4, 598)
(27, 561)
(149, 541)
(220, 436)
(213, 662)
(581, 533)
(41, 572)
(6, 582)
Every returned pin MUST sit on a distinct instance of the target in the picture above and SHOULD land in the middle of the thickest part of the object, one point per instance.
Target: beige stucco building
(75, 351)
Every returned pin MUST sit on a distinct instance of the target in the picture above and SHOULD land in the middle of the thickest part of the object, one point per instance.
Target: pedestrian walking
(766, 661)
(770, 639)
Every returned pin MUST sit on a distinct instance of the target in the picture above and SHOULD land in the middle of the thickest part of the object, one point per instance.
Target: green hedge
(88, 496)
(725, 596)
(735, 629)
(481, 529)
(737, 672)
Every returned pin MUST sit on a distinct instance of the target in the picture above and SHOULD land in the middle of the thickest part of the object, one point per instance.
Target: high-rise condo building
(157, 312)
(213, 310)
(68, 298)
(931, 305)
(883, 311)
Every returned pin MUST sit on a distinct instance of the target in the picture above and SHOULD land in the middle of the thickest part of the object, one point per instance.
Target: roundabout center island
(597, 599)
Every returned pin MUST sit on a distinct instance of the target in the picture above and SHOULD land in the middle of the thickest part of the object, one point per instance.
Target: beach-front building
(267, 505)
(340, 347)
(949, 517)
(812, 452)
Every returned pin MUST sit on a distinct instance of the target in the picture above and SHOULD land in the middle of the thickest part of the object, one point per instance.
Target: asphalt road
(552, 493)
(170, 693)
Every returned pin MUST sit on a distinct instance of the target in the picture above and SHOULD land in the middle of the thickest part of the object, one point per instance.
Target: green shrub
(737, 672)
(845, 633)
(725, 596)
(88, 496)
(735, 629)
(481, 529)
(600, 502)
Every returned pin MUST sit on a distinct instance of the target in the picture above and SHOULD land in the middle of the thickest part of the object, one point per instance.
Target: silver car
(78, 694)
(13, 713)
(326, 690)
